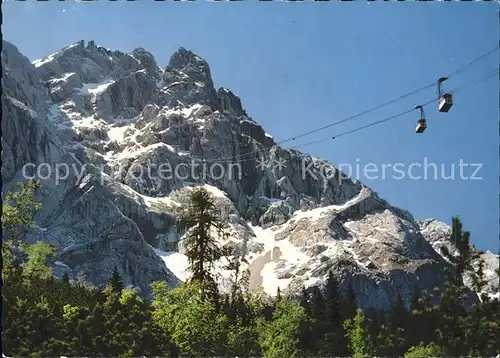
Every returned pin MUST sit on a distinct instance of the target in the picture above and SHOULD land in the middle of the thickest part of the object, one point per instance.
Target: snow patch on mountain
(95, 88)
(175, 262)
(44, 60)
(59, 80)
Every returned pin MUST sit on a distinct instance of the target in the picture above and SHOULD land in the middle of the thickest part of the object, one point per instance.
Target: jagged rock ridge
(109, 115)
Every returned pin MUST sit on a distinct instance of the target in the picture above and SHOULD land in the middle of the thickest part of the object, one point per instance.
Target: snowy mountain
(126, 139)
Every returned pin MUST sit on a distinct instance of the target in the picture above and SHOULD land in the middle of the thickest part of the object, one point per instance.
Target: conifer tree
(318, 317)
(317, 305)
(359, 341)
(478, 278)
(334, 336)
(461, 242)
(398, 327)
(98, 331)
(65, 278)
(451, 306)
(278, 295)
(199, 220)
(304, 302)
(115, 283)
(417, 317)
(332, 302)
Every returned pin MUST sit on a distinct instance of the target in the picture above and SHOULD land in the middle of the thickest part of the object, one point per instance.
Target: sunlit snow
(176, 262)
(95, 88)
(42, 61)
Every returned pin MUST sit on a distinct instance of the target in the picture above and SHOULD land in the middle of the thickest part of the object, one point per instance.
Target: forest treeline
(48, 316)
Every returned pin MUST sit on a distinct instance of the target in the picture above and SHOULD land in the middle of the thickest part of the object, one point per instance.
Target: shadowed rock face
(113, 119)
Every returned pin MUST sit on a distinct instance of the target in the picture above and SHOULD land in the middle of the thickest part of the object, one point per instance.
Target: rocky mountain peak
(189, 81)
(147, 60)
(110, 116)
(187, 61)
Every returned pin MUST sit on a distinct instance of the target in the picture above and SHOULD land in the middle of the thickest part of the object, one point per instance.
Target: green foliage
(193, 323)
(478, 279)
(460, 240)
(37, 259)
(19, 208)
(243, 339)
(281, 336)
(7, 258)
(199, 219)
(47, 316)
(334, 337)
(424, 351)
(359, 341)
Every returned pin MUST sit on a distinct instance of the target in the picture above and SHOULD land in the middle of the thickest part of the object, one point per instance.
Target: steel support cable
(458, 89)
(387, 119)
(460, 69)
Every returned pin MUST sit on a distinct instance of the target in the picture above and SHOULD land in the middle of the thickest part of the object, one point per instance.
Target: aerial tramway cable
(387, 119)
(395, 116)
(460, 69)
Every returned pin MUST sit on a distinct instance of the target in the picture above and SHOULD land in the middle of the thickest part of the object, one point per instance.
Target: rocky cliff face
(125, 139)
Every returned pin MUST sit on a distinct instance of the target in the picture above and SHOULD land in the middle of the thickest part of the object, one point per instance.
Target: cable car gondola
(445, 100)
(421, 123)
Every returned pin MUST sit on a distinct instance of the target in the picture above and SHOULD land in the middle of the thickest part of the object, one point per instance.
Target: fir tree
(65, 278)
(115, 283)
(359, 341)
(304, 302)
(317, 305)
(460, 240)
(332, 302)
(334, 336)
(278, 295)
(374, 322)
(451, 307)
(201, 248)
(399, 326)
(478, 278)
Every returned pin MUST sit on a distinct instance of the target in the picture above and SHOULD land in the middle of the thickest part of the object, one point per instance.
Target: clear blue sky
(299, 66)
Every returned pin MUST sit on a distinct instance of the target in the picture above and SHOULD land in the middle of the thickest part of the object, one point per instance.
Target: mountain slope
(136, 137)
